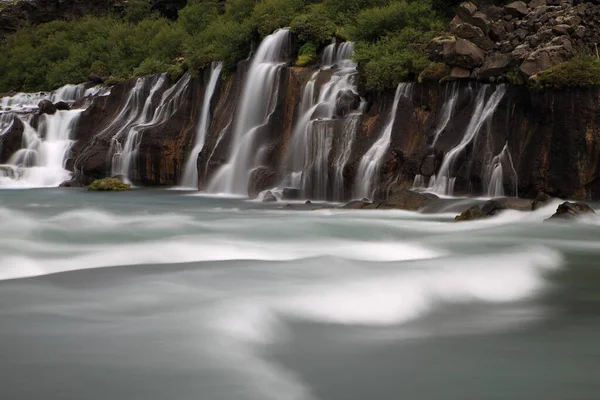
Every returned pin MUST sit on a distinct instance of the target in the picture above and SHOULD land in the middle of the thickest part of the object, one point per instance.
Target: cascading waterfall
(125, 141)
(190, 173)
(40, 161)
(258, 101)
(311, 143)
(494, 174)
(443, 182)
(451, 97)
(368, 169)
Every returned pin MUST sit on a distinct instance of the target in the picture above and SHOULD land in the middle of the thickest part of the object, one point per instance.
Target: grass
(580, 71)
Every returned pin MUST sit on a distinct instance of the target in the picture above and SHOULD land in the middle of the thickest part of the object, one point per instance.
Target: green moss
(307, 55)
(108, 185)
(580, 71)
(434, 72)
(515, 77)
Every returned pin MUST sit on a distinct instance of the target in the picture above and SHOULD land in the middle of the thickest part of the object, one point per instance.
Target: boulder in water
(471, 214)
(405, 199)
(494, 206)
(46, 107)
(269, 198)
(569, 210)
(108, 185)
(357, 204)
(291, 193)
(261, 179)
(61, 105)
(540, 201)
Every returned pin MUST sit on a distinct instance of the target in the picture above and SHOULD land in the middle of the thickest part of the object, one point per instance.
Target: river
(163, 294)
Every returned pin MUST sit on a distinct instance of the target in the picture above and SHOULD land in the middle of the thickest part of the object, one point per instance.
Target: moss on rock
(580, 71)
(108, 185)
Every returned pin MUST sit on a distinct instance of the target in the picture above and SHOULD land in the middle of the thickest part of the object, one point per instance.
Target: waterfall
(493, 176)
(258, 101)
(450, 99)
(41, 160)
(443, 182)
(312, 138)
(190, 173)
(351, 123)
(368, 169)
(126, 142)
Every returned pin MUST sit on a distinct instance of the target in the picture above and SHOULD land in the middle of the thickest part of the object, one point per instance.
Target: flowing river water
(158, 294)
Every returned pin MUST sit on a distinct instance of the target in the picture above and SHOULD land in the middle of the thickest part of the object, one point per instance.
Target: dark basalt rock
(540, 201)
(495, 206)
(61, 105)
(71, 184)
(569, 210)
(11, 140)
(46, 107)
(261, 179)
(291, 193)
(346, 102)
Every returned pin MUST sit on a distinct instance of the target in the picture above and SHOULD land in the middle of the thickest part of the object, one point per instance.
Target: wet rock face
(569, 210)
(11, 140)
(471, 214)
(168, 8)
(261, 179)
(518, 38)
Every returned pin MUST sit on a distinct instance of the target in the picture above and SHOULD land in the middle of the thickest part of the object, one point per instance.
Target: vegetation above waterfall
(390, 37)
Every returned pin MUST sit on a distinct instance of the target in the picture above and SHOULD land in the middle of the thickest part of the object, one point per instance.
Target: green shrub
(580, 71)
(100, 68)
(269, 15)
(434, 72)
(138, 10)
(108, 185)
(314, 27)
(307, 55)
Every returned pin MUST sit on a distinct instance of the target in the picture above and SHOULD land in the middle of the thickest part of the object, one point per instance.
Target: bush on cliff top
(108, 185)
(390, 36)
(580, 71)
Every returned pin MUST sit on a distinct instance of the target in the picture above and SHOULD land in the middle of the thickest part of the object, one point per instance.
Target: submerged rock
(70, 184)
(405, 199)
(108, 185)
(494, 206)
(357, 205)
(61, 105)
(569, 210)
(269, 198)
(473, 213)
(540, 201)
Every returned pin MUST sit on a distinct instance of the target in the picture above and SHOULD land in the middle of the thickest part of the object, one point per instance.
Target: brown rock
(569, 210)
(464, 54)
(46, 107)
(471, 214)
(466, 10)
(537, 3)
(516, 9)
(540, 200)
(537, 61)
(497, 32)
(460, 73)
(261, 179)
(405, 199)
(495, 65)
(436, 46)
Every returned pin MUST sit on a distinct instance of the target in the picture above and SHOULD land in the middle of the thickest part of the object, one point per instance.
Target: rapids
(166, 294)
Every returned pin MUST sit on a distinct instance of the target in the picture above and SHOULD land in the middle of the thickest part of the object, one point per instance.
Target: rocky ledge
(515, 42)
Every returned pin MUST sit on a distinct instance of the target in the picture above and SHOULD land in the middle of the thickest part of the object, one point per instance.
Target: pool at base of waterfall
(162, 294)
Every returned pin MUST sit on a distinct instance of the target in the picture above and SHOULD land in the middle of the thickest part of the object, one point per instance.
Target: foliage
(434, 72)
(314, 27)
(389, 38)
(108, 185)
(307, 55)
(100, 68)
(580, 71)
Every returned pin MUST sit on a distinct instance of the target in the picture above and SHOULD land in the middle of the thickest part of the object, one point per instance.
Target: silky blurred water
(164, 294)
